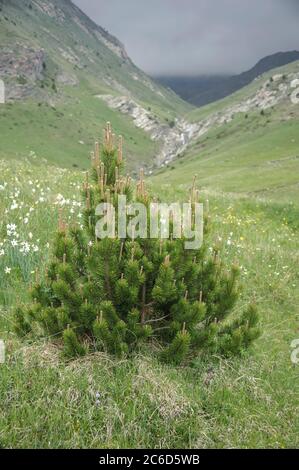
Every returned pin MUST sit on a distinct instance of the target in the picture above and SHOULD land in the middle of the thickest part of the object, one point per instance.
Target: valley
(65, 77)
(247, 143)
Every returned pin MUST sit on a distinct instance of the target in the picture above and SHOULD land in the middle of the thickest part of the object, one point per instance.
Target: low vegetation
(111, 294)
(138, 402)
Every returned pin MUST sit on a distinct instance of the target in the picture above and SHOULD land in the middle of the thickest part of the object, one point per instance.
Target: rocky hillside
(51, 39)
(270, 92)
(174, 136)
(56, 61)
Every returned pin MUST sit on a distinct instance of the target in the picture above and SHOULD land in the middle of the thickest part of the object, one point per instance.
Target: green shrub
(113, 294)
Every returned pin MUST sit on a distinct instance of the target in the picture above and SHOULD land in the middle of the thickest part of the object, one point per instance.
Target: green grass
(107, 403)
(55, 133)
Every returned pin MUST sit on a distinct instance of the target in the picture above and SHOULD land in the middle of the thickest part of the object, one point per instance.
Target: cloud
(188, 37)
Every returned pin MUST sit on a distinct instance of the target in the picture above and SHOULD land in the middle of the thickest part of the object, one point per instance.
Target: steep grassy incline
(55, 62)
(247, 143)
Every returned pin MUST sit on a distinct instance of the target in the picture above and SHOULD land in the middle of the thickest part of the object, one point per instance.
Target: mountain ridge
(202, 90)
(63, 33)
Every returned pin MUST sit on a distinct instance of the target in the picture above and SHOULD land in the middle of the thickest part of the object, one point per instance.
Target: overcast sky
(190, 37)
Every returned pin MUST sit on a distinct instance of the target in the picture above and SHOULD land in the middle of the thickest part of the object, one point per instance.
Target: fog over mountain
(196, 37)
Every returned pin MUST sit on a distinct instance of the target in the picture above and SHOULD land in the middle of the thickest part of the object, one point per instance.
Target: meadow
(247, 168)
(99, 401)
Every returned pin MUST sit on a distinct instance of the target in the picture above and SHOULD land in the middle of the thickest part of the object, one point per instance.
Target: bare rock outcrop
(21, 61)
(174, 138)
(20, 68)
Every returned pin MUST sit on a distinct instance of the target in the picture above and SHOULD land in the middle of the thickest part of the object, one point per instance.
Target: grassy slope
(253, 154)
(263, 161)
(98, 63)
(55, 133)
(248, 402)
(78, 115)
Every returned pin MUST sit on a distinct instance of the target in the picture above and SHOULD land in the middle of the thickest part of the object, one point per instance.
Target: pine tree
(112, 294)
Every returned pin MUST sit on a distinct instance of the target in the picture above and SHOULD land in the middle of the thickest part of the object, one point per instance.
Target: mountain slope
(248, 142)
(55, 61)
(207, 89)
